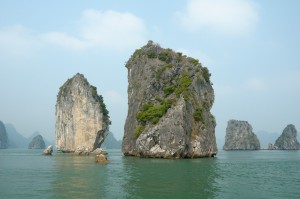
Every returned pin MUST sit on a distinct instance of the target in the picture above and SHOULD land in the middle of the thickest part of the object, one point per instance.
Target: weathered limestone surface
(82, 120)
(288, 139)
(169, 97)
(3, 136)
(239, 136)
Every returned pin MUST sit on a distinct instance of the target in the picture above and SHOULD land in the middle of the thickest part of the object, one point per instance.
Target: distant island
(287, 140)
(37, 142)
(239, 136)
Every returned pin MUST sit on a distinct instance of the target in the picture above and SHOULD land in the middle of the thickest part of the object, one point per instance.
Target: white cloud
(96, 29)
(109, 29)
(233, 17)
(112, 29)
(256, 84)
(64, 40)
(18, 41)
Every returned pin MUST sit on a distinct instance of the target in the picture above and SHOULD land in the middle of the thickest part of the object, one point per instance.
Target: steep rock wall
(82, 120)
(169, 97)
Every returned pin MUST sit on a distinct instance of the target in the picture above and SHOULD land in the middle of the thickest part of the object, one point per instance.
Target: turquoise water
(232, 174)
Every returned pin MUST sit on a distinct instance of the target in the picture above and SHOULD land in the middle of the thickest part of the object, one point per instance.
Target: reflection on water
(131, 177)
(167, 178)
(232, 174)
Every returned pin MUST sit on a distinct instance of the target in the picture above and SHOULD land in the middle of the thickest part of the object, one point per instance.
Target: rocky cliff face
(37, 143)
(3, 137)
(239, 136)
(288, 139)
(169, 96)
(82, 120)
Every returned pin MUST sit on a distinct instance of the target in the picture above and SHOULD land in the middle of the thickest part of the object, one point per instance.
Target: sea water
(231, 174)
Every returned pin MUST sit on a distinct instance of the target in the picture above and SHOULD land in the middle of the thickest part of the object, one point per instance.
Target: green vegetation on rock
(102, 107)
(138, 130)
(198, 115)
(165, 56)
(151, 113)
(183, 83)
(174, 74)
(206, 74)
(168, 90)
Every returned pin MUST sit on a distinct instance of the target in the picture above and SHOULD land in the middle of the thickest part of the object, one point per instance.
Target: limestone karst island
(239, 136)
(82, 120)
(169, 97)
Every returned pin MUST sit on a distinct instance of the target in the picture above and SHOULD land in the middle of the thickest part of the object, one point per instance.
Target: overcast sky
(251, 47)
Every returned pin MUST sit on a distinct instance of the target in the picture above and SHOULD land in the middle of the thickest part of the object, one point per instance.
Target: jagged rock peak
(239, 136)
(288, 139)
(169, 97)
(82, 120)
(37, 143)
(3, 136)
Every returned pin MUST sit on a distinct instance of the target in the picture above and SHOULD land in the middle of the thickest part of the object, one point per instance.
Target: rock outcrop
(3, 137)
(37, 143)
(288, 139)
(239, 136)
(82, 120)
(48, 150)
(102, 159)
(169, 96)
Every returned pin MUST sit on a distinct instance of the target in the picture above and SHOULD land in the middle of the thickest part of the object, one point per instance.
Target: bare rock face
(3, 137)
(37, 143)
(82, 120)
(239, 136)
(48, 150)
(169, 96)
(288, 139)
